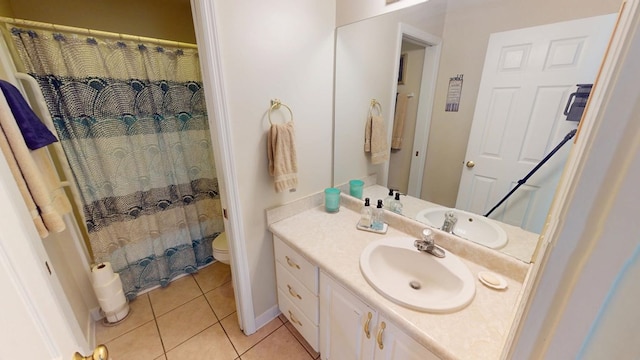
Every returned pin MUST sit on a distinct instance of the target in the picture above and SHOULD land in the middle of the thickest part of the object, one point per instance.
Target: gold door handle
(470, 164)
(292, 264)
(379, 336)
(99, 353)
(366, 325)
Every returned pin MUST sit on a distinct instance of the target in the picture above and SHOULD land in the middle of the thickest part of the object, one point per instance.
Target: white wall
(278, 49)
(366, 63)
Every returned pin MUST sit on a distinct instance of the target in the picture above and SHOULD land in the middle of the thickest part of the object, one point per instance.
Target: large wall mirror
(515, 85)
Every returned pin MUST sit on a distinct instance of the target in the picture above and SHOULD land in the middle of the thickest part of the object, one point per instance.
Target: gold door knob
(99, 353)
(470, 164)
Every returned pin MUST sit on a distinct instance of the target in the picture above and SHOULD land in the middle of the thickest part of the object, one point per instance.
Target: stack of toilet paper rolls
(108, 288)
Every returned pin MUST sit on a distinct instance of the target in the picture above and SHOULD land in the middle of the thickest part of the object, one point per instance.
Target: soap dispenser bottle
(388, 200)
(378, 217)
(396, 205)
(366, 215)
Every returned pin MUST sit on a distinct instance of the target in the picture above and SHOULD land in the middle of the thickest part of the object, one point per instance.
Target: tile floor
(195, 318)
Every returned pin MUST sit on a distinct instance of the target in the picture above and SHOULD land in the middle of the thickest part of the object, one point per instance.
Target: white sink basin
(469, 226)
(417, 280)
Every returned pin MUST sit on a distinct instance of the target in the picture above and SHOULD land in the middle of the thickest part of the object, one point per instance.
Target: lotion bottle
(396, 205)
(378, 217)
(388, 200)
(366, 214)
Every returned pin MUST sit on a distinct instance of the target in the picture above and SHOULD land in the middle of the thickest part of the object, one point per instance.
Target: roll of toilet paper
(113, 302)
(108, 289)
(101, 273)
(118, 315)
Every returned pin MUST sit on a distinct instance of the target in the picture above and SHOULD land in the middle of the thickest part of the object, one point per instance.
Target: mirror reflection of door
(406, 112)
(527, 79)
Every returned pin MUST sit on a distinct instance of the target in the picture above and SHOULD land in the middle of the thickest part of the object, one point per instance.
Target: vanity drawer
(298, 294)
(305, 327)
(298, 266)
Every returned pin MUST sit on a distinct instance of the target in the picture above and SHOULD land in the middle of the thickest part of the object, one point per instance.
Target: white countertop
(332, 242)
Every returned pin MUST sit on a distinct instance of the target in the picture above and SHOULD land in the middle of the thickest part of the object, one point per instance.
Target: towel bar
(275, 105)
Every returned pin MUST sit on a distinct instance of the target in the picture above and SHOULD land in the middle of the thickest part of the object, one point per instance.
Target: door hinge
(224, 213)
(48, 268)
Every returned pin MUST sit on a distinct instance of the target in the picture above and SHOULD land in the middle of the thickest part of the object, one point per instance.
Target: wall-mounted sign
(453, 95)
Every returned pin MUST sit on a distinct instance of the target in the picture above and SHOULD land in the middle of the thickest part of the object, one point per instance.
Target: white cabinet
(297, 281)
(351, 329)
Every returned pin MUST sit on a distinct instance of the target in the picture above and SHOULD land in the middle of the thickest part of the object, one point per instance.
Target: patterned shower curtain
(132, 121)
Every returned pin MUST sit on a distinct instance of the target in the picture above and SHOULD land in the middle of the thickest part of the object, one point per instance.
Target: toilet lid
(220, 243)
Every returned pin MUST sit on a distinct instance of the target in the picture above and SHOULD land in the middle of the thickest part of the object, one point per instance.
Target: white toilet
(221, 248)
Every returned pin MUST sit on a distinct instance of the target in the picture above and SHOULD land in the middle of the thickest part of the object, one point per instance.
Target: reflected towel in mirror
(375, 139)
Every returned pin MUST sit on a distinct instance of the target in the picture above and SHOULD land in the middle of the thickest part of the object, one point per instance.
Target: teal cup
(331, 200)
(355, 188)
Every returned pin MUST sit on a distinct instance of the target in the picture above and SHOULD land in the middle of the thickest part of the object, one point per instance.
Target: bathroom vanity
(323, 293)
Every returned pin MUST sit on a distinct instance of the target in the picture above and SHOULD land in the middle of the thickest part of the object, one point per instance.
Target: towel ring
(275, 105)
(375, 105)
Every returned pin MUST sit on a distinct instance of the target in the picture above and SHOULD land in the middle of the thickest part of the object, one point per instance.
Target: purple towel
(34, 132)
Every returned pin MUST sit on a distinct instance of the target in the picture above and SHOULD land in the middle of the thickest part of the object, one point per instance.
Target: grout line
(300, 341)
(259, 341)
(155, 320)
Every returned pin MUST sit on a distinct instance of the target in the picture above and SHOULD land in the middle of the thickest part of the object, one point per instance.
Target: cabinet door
(345, 322)
(393, 344)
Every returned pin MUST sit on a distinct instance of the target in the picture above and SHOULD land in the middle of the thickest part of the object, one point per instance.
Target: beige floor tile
(280, 345)
(142, 343)
(222, 300)
(211, 344)
(177, 293)
(139, 313)
(243, 342)
(162, 357)
(314, 354)
(213, 276)
(185, 321)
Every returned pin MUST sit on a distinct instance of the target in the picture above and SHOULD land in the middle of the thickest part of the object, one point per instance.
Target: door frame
(204, 21)
(432, 48)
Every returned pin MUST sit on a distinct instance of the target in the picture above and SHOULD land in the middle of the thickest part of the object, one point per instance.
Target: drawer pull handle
(293, 292)
(366, 325)
(379, 336)
(291, 263)
(293, 318)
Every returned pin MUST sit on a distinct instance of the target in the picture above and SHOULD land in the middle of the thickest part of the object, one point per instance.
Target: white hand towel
(281, 151)
(375, 139)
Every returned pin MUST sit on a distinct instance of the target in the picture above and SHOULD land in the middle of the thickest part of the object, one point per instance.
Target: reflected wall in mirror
(367, 56)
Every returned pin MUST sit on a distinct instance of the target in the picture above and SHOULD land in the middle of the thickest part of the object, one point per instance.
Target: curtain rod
(64, 28)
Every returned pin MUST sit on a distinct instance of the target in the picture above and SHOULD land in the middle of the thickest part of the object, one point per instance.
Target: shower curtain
(132, 121)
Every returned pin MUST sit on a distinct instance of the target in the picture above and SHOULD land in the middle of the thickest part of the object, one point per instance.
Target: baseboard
(96, 314)
(264, 318)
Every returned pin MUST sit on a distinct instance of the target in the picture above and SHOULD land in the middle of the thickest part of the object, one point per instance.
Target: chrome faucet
(450, 220)
(428, 244)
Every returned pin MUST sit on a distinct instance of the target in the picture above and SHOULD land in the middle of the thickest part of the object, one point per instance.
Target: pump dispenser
(388, 199)
(378, 217)
(366, 213)
(396, 205)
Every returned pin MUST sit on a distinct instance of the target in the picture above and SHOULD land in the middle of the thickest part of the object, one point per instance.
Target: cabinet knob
(366, 325)
(379, 336)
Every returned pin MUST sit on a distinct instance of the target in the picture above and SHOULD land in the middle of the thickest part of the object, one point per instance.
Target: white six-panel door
(527, 78)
